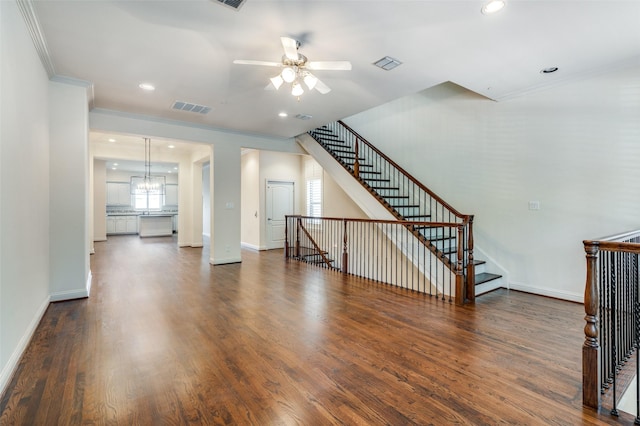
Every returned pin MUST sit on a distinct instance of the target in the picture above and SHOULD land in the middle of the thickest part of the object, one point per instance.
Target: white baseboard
(225, 261)
(14, 359)
(89, 281)
(252, 247)
(572, 297)
(73, 294)
(197, 245)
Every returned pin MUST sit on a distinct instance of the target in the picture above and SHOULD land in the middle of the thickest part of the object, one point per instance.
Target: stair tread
(486, 277)
(411, 216)
(385, 188)
(395, 197)
(405, 206)
(376, 179)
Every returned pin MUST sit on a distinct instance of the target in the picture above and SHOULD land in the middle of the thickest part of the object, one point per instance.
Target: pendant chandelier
(148, 184)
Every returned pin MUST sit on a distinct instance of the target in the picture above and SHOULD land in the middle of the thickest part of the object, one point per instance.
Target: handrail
(612, 313)
(402, 195)
(404, 172)
(315, 245)
(390, 245)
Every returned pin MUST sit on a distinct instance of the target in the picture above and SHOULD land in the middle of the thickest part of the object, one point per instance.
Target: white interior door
(279, 199)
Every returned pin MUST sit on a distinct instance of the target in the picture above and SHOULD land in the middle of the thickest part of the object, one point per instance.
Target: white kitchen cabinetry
(124, 224)
(132, 225)
(118, 194)
(171, 194)
(111, 225)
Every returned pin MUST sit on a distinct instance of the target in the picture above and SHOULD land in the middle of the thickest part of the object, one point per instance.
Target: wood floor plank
(166, 338)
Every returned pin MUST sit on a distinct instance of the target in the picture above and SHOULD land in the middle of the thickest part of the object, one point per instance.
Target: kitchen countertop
(143, 214)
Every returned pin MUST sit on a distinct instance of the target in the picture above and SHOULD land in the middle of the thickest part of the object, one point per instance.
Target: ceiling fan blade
(322, 88)
(329, 65)
(290, 48)
(250, 62)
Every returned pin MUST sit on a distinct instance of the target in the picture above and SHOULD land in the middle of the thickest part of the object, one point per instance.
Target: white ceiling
(186, 48)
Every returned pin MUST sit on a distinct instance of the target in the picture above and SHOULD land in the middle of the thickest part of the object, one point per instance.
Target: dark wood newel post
(356, 164)
(286, 237)
(345, 254)
(471, 267)
(591, 348)
(460, 285)
(298, 238)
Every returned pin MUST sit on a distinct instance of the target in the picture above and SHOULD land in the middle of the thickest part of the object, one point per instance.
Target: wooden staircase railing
(405, 197)
(612, 308)
(388, 251)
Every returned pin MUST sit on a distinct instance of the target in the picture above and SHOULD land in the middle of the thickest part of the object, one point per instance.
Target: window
(313, 179)
(144, 200)
(314, 197)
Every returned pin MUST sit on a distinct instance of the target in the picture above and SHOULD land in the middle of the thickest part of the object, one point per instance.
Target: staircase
(408, 200)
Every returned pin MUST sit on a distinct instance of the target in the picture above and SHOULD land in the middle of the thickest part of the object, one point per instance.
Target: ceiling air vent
(189, 107)
(303, 117)
(387, 63)
(234, 4)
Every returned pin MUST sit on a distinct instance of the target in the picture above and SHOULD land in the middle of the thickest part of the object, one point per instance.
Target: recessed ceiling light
(114, 168)
(115, 164)
(283, 114)
(169, 171)
(112, 140)
(172, 146)
(175, 168)
(549, 70)
(147, 86)
(493, 6)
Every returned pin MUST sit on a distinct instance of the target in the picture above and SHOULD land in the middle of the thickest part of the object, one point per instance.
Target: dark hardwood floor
(167, 339)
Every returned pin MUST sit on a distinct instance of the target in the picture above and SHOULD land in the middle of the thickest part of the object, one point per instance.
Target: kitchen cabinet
(123, 224)
(118, 194)
(171, 194)
(111, 225)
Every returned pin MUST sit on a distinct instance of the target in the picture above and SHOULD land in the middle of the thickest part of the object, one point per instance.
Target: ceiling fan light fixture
(288, 74)
(493, 7)
(296, 89)
(277, 81)
(310, 80)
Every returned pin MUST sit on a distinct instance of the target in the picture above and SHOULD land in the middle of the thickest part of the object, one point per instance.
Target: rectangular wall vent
(189, 107)
(234, 4)
(303, 117)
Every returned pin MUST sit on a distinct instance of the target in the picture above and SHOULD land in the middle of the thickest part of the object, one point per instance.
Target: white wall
(24, 189)
(99, 195)
(277, 166)
(574, 148)
(250, 189)
(206, 200)
(69, 185)
(225, 232)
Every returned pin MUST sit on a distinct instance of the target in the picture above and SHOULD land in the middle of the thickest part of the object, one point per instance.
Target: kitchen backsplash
(125, 210)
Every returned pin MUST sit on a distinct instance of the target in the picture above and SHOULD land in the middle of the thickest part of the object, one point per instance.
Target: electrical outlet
(534, 205)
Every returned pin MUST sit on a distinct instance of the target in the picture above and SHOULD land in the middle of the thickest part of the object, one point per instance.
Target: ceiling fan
(296, 68)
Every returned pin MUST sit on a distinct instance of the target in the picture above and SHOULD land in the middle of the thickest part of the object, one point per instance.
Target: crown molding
(37, 36)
